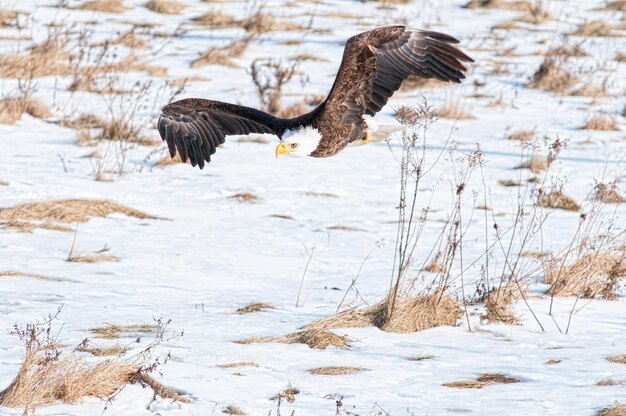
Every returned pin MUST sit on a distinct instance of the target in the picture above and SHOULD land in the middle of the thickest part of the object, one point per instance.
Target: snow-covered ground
(212, 254)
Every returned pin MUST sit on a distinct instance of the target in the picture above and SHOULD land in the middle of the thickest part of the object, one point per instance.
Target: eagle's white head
(299, 142)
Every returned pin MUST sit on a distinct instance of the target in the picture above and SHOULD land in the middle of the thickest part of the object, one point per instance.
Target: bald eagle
(373, 66)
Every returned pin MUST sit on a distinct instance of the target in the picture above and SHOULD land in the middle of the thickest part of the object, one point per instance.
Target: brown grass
(245, 197)
(536, 164)
(498, 302)
(90, 258)
(111, 331)
(14, 273)
(167, 160)
(484, 380)
(108, 6)
(435, 266)
(523, 6)
(84, 121)
(217, 20)
(620, 57)
(46, 377)
(254, 307)
(407, 115)
(552, 362)
(261, 22)
(601, 122)
(608, 193)
(522, 135)
(610, 382)
(238, 364)
(594, 28)
(454, 110)
(317, 339)
(410, 315)
(12, 108)
(165, 6)
(344, 228)
(593, 275)
(102, 351)
(29, 227)
(552, 76)
(620, 358)
(233, 410)
(413, 82)
(7, 17)
(557, 199)
(421, 357)
(619, 5)
(508, 182)
(68, 210)
(334, 371)
(617, 410)
(223, 55)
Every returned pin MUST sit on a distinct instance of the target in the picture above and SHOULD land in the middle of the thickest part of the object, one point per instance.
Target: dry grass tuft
(217, 20)
(536, 164)
(410, 315)
(102, 351)
(238, 364)
(619, 5)
(167, 160)
(317, 339)
(593, 275)
(288, 393)
(223, 55)
(601, 122)
(12, 108)
(610, 382)
(522, 135)
(421, 357)
(90, 258)
(557, 199)
(68, 210)
(552, 76)
(84, 121)
(254, 307)
(334, 371)
(407, 115)
(508, 182)
(29, 227)
(454, 110)
(344, 228)
(620, 358)
(552, 362)
(245, 197)
(498, 302)
(8, 17)
(14, 273)
(111, 331)
(233, 410)
(436, 266)
(261, 22)
(620, 57)
(523, 6)
(484, 380)
(108, 6)
(593, 28)
(165, 6)
(617, 410)
(608, 193)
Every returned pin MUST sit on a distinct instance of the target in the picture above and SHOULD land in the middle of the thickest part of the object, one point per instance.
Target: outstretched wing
(376, 62)
(195, 127)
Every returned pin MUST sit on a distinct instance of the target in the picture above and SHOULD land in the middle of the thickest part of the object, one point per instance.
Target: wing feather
(375, 64)
(195, 127)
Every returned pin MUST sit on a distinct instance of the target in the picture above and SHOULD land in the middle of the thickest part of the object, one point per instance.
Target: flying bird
(373, 66)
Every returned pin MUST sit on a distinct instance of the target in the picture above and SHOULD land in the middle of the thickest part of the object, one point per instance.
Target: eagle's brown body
(373, 67)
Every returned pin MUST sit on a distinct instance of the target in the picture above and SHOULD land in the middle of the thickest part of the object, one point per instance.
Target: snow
(211, 254)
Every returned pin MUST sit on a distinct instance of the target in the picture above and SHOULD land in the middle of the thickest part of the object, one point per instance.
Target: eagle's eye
(293, 145)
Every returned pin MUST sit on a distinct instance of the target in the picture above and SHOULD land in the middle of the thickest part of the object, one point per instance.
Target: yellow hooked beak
(282, 149)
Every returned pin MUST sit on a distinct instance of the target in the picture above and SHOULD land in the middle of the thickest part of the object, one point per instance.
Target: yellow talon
(367, 138)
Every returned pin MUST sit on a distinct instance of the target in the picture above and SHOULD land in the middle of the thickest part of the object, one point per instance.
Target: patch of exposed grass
(334, 371)
(344, 228)
(509, 182)
(610, 382)
(594, 28)
(498, 302)
(484, 380)
(238, 364)
(436, 265)
(68, 210)
(167, 160)
(553, 76)
(111, 331)
(102, 351)
(601, 122)
(223, 55)
(165, 6)
(421, 357)
(318, 339)
(261, 22)
(594, 275)
(522, 135)
(12, 108)
(216, 20)
(29, 226)
(254, 307)
(245, 197)
(619, 358)
(616, 410)
(288, 393)
(233, 410)
(520, 5)
(536, 164)
(414, 82)
(14, 273)
(552, 362)
(558, 200)
(608, 193)
(90, 258)
(411, 314)
(108, 6)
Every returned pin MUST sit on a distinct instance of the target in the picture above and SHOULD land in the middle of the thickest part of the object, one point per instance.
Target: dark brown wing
(375, 63)
(196, 127)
